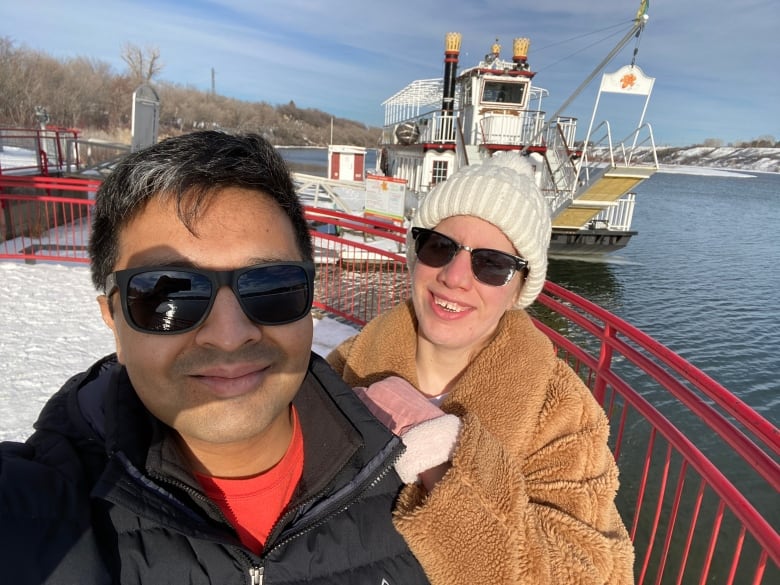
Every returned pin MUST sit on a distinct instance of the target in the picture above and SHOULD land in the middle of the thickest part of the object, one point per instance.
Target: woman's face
(454, 309)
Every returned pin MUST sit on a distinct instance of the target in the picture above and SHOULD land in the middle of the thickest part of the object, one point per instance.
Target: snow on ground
(13, 157)
(757, 159)
(703, 171)
(50, 329)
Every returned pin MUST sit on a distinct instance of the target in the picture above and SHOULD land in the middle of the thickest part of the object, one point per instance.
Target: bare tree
(20, 83)
(144, 63)
(766, 140)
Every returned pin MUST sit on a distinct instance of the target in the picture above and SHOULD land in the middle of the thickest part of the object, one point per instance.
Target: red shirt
(254, 504)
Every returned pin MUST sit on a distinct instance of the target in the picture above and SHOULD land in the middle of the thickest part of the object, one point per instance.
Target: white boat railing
(599, 149)
(558, 184)
(328, 193)
(636, 150)
(565, 126)
(437, 127)
(518, 128)
(642, 148)
(434, 127)
(618, 216)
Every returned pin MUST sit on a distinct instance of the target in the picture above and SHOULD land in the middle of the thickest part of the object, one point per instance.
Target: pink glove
(428, 433)
(398, 404)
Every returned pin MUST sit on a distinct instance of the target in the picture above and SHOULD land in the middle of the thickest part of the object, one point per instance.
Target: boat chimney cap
(452, 42)
(520, 49)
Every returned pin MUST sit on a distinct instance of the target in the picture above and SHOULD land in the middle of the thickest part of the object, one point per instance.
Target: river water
(701, 277)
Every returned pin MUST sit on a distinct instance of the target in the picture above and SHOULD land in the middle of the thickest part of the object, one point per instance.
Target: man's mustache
(203, 358)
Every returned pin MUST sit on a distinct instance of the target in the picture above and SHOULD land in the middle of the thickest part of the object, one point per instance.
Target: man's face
(227, 384)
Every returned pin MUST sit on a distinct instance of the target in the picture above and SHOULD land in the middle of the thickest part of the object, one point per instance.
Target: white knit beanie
(501, 191)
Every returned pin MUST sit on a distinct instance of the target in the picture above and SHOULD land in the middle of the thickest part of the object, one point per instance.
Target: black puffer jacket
(99, 495)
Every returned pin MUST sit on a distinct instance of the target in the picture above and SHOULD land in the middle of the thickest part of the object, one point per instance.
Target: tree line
(766, 141)
(88, 94)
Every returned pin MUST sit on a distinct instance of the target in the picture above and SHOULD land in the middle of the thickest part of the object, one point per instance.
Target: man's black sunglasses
(173, 299)
(489, 266)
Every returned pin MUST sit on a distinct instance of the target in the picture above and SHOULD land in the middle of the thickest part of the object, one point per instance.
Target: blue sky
(713, 61)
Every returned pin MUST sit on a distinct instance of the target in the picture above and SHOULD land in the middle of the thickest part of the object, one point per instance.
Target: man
(213, 447)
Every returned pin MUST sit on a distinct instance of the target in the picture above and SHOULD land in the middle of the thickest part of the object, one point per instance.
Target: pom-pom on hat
(501, 191)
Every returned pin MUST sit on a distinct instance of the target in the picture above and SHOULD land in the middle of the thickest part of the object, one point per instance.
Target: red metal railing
(711, 530)
(45, 218)
(357, 279)
(36, 151)
(699, 468)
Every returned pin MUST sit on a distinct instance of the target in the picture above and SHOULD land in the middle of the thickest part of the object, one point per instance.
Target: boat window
(439, 173)
(503, 92)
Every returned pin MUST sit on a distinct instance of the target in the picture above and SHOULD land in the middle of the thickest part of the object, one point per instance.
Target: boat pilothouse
(432, 127)
(499, 107)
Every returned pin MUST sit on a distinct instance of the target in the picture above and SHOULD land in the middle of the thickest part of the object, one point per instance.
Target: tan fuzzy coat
(530, 495)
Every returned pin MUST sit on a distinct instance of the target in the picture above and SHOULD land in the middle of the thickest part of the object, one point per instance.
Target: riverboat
(432, 127)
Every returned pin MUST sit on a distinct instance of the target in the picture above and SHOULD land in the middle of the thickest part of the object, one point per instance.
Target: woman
(527, 493)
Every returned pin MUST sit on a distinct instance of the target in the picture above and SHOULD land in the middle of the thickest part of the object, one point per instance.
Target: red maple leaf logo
(628, 80)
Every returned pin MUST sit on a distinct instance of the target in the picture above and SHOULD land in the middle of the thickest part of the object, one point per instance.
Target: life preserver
(407, 133)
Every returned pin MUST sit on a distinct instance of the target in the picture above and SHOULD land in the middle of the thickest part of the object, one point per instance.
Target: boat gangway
(606, 177)
(699, 468)
(318, 191)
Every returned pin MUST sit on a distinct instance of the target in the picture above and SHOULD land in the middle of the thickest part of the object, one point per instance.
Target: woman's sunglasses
(489, 266)
(165, 299)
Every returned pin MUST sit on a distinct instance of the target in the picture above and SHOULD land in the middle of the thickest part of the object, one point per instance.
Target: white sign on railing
(385, 197)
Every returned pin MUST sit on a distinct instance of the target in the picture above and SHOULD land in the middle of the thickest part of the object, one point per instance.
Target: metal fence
(38, 152)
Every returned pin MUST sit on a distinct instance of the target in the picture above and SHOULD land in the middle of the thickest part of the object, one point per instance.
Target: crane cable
(636, 29)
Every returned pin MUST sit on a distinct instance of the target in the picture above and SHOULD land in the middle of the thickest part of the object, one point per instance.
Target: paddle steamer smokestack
(451, 55)
(520, 52)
